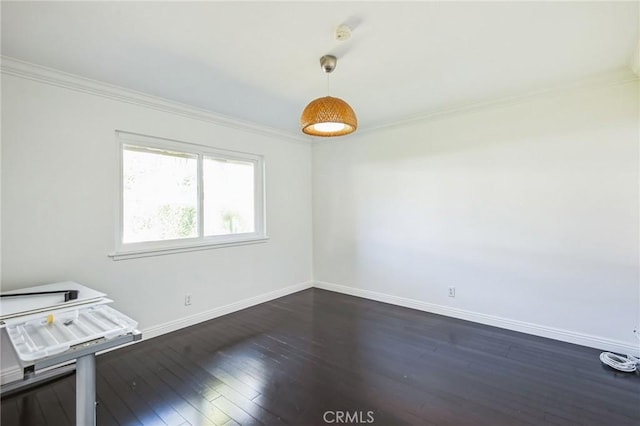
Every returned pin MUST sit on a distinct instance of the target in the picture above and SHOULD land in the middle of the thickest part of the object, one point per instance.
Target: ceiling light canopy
(328, 116)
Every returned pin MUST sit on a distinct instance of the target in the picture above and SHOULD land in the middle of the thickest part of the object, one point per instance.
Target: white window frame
(201, 242)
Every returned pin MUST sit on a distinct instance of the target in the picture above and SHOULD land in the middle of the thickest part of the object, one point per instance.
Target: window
(177, 197)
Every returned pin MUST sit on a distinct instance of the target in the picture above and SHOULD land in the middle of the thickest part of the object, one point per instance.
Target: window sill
(150, 252)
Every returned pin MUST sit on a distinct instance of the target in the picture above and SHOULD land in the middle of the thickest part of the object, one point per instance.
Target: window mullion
(200, 196)
(257, 199)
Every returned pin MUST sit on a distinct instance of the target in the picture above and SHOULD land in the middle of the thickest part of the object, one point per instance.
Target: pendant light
(328, 116)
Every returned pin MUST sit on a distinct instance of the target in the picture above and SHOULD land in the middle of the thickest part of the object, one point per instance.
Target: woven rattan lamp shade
(328, 116)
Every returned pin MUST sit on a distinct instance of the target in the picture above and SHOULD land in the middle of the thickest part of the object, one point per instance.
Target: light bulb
(329, 127)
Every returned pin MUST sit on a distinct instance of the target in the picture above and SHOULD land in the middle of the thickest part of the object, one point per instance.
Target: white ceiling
(259, 61)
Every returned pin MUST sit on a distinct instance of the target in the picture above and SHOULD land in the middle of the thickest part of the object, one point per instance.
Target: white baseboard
(170, 326)
(13, 373)
(509, 324)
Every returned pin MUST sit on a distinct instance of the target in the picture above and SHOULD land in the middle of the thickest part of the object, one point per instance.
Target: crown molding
(616, 78)
(30, 71)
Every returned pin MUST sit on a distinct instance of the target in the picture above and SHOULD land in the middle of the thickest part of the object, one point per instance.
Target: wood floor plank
(9, 414)
(149, 394)
(66, 397)
(194, 369)
(117, 406)
(205, 386)
(138, 405)
(29, 409)
(193, 407)
(52, 410)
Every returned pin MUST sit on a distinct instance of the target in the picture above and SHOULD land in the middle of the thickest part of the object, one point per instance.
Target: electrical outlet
(187, 299)
(452, 292)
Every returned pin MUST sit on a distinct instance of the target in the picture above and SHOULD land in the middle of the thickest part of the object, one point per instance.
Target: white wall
(529, 209)
(59, 179)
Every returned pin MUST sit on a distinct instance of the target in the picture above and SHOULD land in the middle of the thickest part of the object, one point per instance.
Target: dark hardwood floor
(318, 354)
